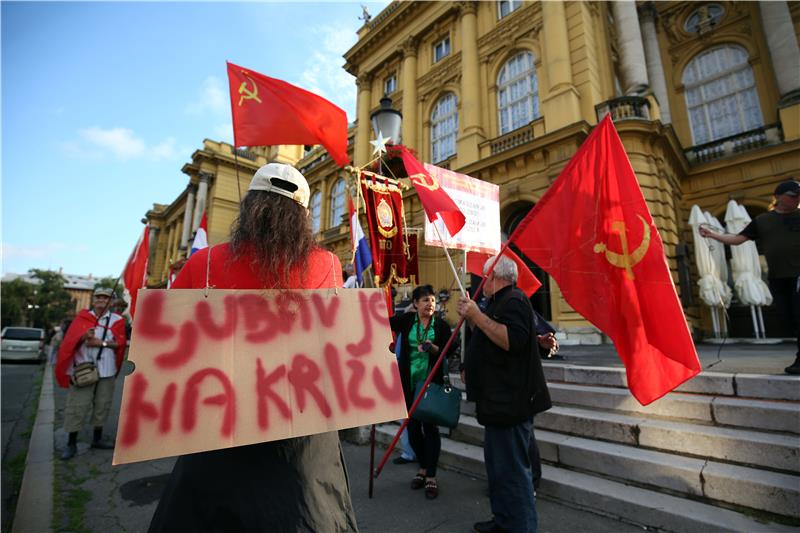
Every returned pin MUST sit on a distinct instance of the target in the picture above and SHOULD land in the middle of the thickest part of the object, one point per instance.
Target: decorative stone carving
(409, 46)
(466, 8)
(364, 81)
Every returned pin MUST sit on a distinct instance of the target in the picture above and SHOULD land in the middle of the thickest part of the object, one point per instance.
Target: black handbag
(441, 404)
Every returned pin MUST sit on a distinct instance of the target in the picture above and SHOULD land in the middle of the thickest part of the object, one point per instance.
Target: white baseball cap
(282, 179)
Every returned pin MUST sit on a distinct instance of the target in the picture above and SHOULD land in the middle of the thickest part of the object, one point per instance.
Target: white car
(20, 343)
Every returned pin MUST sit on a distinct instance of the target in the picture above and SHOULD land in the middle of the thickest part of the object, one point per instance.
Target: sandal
(418, 482)
(431, 489)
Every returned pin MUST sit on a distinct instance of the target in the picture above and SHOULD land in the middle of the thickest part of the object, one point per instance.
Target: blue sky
(104, 102)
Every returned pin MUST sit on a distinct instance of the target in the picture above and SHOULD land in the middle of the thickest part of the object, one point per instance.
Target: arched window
(517, 93)
(721, 95)
(337, 203)
(444, 128)
(315, 206)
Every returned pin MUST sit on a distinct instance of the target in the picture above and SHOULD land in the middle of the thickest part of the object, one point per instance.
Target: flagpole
(449, 259)
(435, 368)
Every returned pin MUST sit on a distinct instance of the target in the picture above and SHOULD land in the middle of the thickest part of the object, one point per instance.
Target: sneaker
(102, 445)
(794, 368)
(69, 452)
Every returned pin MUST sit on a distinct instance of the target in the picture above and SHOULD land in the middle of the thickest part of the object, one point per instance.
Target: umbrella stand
(715, 322)
(755, 321)
(761, 323)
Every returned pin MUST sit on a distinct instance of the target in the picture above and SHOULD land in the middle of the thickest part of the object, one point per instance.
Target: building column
(783, 48)
(202, 195)
(655, 69)
(151, 255)
(629, 36)
(361, 148)
(469, 120)
(187, 215)
(561, 105)
(409, 135)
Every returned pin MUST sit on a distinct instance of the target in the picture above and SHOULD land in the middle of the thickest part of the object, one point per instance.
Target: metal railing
(624, 108)
(734, 144)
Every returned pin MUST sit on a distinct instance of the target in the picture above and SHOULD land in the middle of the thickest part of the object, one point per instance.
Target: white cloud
(122, 143)
(323, 73)
(119, 141)
(212, 97)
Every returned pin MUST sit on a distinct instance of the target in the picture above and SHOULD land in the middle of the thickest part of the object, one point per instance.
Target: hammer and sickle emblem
(423, 181)
(625, 260)
(247, 94)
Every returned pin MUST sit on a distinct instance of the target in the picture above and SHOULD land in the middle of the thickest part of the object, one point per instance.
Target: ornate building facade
(706, 101)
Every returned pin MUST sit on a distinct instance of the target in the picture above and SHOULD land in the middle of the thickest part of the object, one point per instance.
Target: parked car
(17, 343)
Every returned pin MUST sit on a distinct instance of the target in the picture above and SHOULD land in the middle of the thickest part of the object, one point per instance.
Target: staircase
(722, 452)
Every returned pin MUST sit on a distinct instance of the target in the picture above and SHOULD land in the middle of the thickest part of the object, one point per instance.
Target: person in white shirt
(96, 336)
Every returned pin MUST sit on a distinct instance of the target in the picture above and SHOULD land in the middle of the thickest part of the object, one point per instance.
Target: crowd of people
(301, 483)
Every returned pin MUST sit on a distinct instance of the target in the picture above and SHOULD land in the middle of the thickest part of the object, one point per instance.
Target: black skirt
(291, 485)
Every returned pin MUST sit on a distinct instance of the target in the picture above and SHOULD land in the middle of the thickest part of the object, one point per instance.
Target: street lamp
(386, 120)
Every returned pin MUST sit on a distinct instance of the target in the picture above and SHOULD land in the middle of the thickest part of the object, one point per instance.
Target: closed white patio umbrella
(713, 292)
(746, 267)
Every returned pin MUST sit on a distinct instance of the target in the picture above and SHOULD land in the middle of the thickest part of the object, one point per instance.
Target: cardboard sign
(479, 201)
(242, 367)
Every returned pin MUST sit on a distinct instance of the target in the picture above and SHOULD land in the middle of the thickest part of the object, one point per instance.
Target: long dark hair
(276, 230)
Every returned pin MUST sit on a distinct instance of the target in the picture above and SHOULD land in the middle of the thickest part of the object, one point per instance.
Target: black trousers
(426, 443)
(786, 298)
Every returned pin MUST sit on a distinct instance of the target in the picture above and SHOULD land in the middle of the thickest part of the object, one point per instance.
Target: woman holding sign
(424, 336)
(296, 484)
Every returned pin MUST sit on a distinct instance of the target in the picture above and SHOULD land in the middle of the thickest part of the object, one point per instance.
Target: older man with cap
(777, 233)
(93, 346)
(295, 484)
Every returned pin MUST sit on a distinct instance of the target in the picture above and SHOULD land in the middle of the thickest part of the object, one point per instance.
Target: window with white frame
(504, 7)
(390, 84)
(441, 49)
(721, 96)
(315, 207)
(517, 93)
(337, 203)
(444, 127)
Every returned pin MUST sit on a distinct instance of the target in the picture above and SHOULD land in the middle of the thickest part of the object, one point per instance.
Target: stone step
(718, 410)
(732, 445)
(645, 507)
(739, 485)
(758, 386)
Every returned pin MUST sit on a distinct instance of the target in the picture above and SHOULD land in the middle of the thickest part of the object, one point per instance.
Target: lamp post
(387, 120)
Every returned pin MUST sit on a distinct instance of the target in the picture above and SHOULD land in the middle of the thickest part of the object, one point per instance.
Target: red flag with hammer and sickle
(434, 199)
(593, 233)
(267, 111)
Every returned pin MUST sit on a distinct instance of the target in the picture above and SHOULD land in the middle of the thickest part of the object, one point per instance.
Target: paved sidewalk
(91, 495)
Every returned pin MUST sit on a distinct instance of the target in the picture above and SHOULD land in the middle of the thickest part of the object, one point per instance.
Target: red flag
(526, 281)
(435, 200)
(135, 274)
(593, 233)
(267, 111)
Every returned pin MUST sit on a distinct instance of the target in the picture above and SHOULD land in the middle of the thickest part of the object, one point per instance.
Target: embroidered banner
(391, 261)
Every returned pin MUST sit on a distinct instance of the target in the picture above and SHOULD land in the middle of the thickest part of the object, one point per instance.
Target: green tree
(50, 301)
(15, 295)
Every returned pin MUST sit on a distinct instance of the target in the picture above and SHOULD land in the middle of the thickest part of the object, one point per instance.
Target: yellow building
(706, 102)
